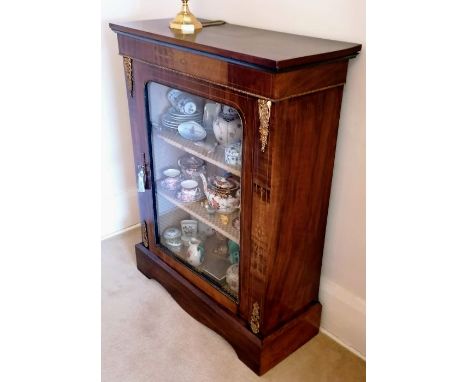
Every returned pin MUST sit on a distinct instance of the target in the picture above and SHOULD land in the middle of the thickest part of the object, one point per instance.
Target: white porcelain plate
(192, 131)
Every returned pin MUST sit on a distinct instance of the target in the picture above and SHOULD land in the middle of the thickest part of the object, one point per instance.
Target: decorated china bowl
(192, 131)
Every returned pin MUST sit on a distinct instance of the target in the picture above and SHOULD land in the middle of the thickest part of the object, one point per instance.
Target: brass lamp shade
(185, 21)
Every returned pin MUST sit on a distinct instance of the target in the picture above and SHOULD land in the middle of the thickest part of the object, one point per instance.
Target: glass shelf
(220, 223)
(207, 150)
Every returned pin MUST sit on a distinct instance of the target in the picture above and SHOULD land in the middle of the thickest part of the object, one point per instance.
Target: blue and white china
(172, 96)
(192, 131)
(229, 111)
(172, 118)
(183, 102)
(232, 154)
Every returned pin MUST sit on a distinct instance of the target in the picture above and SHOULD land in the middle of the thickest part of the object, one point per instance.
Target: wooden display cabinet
(287, 91)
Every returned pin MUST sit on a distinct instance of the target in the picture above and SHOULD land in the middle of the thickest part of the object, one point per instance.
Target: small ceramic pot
(189, 228)
(172, 236)
(195, 252)
(232, 278)
(232, 154)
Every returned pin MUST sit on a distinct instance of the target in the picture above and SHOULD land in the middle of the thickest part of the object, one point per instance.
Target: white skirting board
(343, 317)
(119, 210)
(119, 232)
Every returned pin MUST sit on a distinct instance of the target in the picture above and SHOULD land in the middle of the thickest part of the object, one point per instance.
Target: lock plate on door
(142, 176)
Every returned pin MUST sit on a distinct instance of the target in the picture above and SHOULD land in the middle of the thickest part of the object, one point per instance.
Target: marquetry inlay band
(236, 89)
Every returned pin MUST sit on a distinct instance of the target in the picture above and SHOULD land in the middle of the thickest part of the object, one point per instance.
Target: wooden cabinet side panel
(303, 152)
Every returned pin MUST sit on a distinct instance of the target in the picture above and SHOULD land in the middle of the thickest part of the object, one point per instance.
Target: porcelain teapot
(221, 194)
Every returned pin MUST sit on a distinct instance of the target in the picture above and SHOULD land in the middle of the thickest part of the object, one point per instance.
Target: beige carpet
(146, 336)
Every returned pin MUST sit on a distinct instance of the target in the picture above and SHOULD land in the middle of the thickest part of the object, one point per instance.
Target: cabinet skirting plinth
(259, 354)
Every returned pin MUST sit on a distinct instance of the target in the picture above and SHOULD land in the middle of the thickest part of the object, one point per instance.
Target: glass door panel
(197, 146)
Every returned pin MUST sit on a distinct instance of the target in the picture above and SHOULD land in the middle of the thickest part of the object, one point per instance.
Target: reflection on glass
(197, 146)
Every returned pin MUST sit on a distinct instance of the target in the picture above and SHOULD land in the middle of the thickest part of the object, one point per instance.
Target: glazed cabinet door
(192, 147)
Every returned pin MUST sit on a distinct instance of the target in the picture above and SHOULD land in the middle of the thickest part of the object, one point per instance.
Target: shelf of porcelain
(207, 149)
(220, 223)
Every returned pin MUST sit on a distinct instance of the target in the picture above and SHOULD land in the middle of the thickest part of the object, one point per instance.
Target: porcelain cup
(189, 228)
(190, 191)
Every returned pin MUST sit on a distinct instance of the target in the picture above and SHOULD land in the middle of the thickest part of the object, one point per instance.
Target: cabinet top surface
(269, 49)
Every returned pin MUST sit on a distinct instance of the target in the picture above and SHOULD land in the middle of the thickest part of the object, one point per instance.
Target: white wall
(118, 185)
(343, 276)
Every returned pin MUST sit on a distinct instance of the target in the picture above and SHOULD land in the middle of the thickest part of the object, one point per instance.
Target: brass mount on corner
(128, 67)
(264, 110)
(255, 319)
